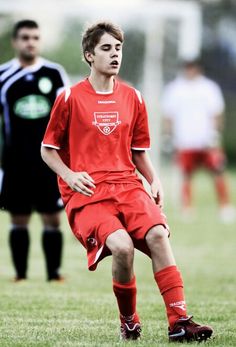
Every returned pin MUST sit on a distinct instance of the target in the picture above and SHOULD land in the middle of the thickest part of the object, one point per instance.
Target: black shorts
(25, 190)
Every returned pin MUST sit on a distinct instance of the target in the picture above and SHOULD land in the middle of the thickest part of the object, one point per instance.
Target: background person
(193, 107)
(29, 85)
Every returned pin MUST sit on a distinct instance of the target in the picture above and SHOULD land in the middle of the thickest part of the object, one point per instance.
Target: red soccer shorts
(212, 159)
(116, 206)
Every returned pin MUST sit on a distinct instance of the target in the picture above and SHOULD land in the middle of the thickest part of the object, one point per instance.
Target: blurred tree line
(69, 53)
(219, 60)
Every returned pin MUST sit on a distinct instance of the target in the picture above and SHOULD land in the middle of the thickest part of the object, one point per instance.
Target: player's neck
(24, 63)
(192, 77)
(101, 83)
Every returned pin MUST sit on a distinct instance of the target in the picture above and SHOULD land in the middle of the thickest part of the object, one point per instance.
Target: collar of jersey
(33, 67)
(99, 92)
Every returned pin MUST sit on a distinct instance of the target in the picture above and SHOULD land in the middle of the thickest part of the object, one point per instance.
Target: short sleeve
(58, 123)
(141, 137)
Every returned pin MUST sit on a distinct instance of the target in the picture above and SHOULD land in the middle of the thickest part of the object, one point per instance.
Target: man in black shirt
(29, 85)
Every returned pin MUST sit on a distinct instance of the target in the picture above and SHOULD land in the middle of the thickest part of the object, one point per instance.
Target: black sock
(52, 242)
(19, 245)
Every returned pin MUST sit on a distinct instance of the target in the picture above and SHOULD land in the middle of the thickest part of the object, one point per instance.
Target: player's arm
(54, 140)
(217, 107)
(139, 144)
(144, 165)
(77, 181)
(218, 124)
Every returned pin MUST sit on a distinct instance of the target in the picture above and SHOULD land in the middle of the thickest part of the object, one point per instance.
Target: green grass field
(83, 312)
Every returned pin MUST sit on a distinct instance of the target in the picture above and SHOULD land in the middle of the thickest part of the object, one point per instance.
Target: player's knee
(123, 250)
(51, 220)
(120, 243)
(156, 235)
(20, 220)
(218, 171)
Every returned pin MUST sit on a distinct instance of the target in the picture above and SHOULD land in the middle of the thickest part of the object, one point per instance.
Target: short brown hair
(93, 33)
(26, 23)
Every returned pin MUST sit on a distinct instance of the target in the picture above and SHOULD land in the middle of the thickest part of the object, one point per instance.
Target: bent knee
(123, 250)
(156, 234)
(20, 220)
(120, 244)
(51, 220)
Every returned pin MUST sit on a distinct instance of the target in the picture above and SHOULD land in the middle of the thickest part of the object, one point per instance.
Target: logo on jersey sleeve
(29, 77)
(106, 122)
(45, 85)
(32, 107)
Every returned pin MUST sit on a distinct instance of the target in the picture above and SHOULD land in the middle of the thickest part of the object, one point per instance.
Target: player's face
(26, 44)
(192, 72)
(107, 56)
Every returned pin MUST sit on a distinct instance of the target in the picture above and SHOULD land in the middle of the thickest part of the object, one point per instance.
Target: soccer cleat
(57, 279)
(130, 328)
(19, 279)
(187, 330)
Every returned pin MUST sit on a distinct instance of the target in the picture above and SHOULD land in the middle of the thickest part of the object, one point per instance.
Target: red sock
(170, 283)
(126, 299)
(222, 190)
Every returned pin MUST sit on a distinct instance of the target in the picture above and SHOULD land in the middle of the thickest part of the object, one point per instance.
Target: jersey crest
(45, 85)
(106, 122)
(32, 107)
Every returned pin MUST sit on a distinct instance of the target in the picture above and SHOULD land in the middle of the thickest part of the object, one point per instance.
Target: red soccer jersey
(95, 132)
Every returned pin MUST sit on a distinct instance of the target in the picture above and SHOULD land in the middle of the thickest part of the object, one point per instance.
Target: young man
(29, 85)
(193, 106)
(96, 137)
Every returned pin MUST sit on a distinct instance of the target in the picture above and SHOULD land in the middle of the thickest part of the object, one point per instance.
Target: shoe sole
(199, 337)
(203, 335)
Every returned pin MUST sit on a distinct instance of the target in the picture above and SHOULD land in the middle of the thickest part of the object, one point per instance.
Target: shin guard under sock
(126, 299)
(170, 283)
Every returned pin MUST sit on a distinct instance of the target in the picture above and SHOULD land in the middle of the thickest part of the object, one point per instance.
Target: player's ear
(89, 57)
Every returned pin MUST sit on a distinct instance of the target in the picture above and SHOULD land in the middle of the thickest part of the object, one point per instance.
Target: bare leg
(122, 249)
(20, 221)
(159, 245)
(222, 189)
(51, 221)
(186, 191)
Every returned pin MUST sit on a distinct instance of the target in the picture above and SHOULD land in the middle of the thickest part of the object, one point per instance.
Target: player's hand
(157, 192)
(81, 182)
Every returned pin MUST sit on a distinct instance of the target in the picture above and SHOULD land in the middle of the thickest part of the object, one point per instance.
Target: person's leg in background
(215, 161)
(19, 242)
(187, 161)
(52, 243)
